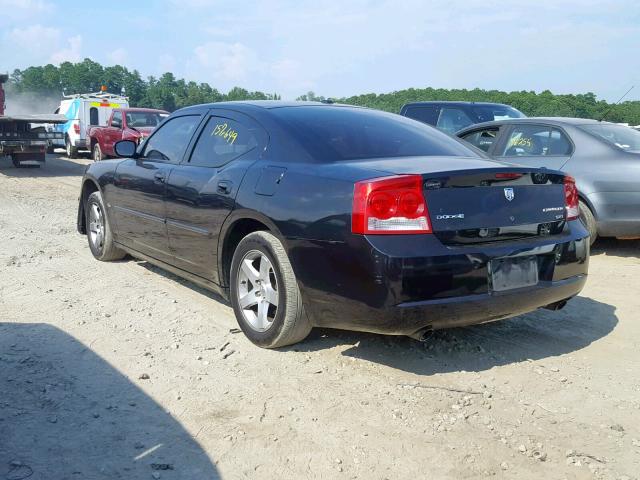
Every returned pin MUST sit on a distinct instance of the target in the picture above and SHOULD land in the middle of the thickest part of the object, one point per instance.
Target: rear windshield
(489, 113)
(622, 137)
(145, 119)
(343, 133)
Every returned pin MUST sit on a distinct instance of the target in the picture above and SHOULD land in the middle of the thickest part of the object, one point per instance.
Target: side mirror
(125, 148)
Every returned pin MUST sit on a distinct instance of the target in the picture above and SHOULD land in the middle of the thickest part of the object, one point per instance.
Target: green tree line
(166, 92)
(170, 93)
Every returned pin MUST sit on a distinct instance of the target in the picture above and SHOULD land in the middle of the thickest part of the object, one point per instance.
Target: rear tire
(72, 152)
(264, 293)
(97, 153)
(589, 221)
(99, 232)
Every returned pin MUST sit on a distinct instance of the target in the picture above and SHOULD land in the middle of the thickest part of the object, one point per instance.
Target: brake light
(390, 205)
(571, 198)
(508, 176)
(76, 128)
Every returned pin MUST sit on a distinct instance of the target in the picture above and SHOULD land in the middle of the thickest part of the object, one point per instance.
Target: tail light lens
(76, 128)
(390, 205)
(571, 198)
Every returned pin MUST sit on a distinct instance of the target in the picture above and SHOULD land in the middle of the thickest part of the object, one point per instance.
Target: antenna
(612, 106)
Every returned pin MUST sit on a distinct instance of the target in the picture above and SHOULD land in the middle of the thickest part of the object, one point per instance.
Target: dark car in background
(603, 157)
(451, 117)
(306, 214)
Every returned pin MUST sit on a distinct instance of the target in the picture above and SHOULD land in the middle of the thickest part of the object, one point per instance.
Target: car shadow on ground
(66, 413)
(54, 166)
(538, 335)
(616, 248)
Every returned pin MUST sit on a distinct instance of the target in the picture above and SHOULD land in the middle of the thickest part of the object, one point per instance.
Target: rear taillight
(390, 205)
(571, 198)
(76, 128)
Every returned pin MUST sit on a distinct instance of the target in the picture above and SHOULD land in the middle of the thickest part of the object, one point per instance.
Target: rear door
(201, 190)
(139, 187)
(535, 145)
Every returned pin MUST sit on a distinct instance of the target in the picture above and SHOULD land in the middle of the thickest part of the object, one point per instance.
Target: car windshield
(145, 119)
(343, 133)
(622, 137)
(489, 113)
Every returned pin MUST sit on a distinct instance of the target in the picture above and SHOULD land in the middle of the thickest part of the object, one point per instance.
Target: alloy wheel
(257, 288)
(96, 226)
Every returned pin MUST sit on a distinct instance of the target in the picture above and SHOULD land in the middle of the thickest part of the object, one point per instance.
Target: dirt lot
(120, 370)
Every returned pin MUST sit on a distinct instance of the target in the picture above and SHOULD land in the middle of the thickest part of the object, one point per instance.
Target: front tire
(99, 232)
(264, 293)
(97, 153)
(589, 221)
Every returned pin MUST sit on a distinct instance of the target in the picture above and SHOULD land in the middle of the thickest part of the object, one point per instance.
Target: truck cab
(84, 111)
(134, 124)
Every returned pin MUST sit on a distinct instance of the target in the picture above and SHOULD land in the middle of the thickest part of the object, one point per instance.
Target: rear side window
(536, 140)
(93, 116)
(424, 113)
(332, 133)
(168, 143)
(483, 139)
(452, 120)
(221, 141)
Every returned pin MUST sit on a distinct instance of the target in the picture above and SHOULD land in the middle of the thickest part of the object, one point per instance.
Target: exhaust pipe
(423, 335)
(556, 306)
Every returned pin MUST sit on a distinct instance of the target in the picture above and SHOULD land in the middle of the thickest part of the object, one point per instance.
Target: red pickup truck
(124, 124)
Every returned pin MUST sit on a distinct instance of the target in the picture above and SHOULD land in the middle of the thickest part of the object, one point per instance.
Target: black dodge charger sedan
(306, 214)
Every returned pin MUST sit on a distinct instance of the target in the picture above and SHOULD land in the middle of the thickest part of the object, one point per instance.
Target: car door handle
(224, 187)
(159, 177)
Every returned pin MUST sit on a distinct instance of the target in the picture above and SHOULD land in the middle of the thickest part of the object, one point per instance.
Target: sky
(341, 48)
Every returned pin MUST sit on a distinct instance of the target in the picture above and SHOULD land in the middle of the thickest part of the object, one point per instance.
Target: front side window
(452, 120)
(622, 137)
(169, 142)
(483, 139)
(490, 113)
(536, 140)
(116, 121)
(221, 141)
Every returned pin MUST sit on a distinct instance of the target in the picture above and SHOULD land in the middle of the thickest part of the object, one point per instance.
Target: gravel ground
(120, 370)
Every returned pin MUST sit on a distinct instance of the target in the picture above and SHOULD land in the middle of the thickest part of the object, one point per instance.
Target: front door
(137, 198)
(201, 190)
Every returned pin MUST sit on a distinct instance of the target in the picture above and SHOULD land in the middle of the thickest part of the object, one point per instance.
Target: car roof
(558, 121)
(451, 102)
(140, 109)
(264, 105)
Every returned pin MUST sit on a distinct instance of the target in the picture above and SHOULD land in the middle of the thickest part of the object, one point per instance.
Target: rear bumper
(394, 285)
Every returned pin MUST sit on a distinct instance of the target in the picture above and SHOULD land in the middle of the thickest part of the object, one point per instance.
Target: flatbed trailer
(24, 137)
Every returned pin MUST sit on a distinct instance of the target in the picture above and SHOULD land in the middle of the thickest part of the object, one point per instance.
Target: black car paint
(390, 284)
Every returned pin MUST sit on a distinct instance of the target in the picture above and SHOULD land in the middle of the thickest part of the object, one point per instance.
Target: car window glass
(619, 135)
(453, 119)
(536, 140)
(424, 113)
(116, 121)
(490, 113)
(483, 139)
(171, 139)
(332, 134)
(93, 116)
(221, 141)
